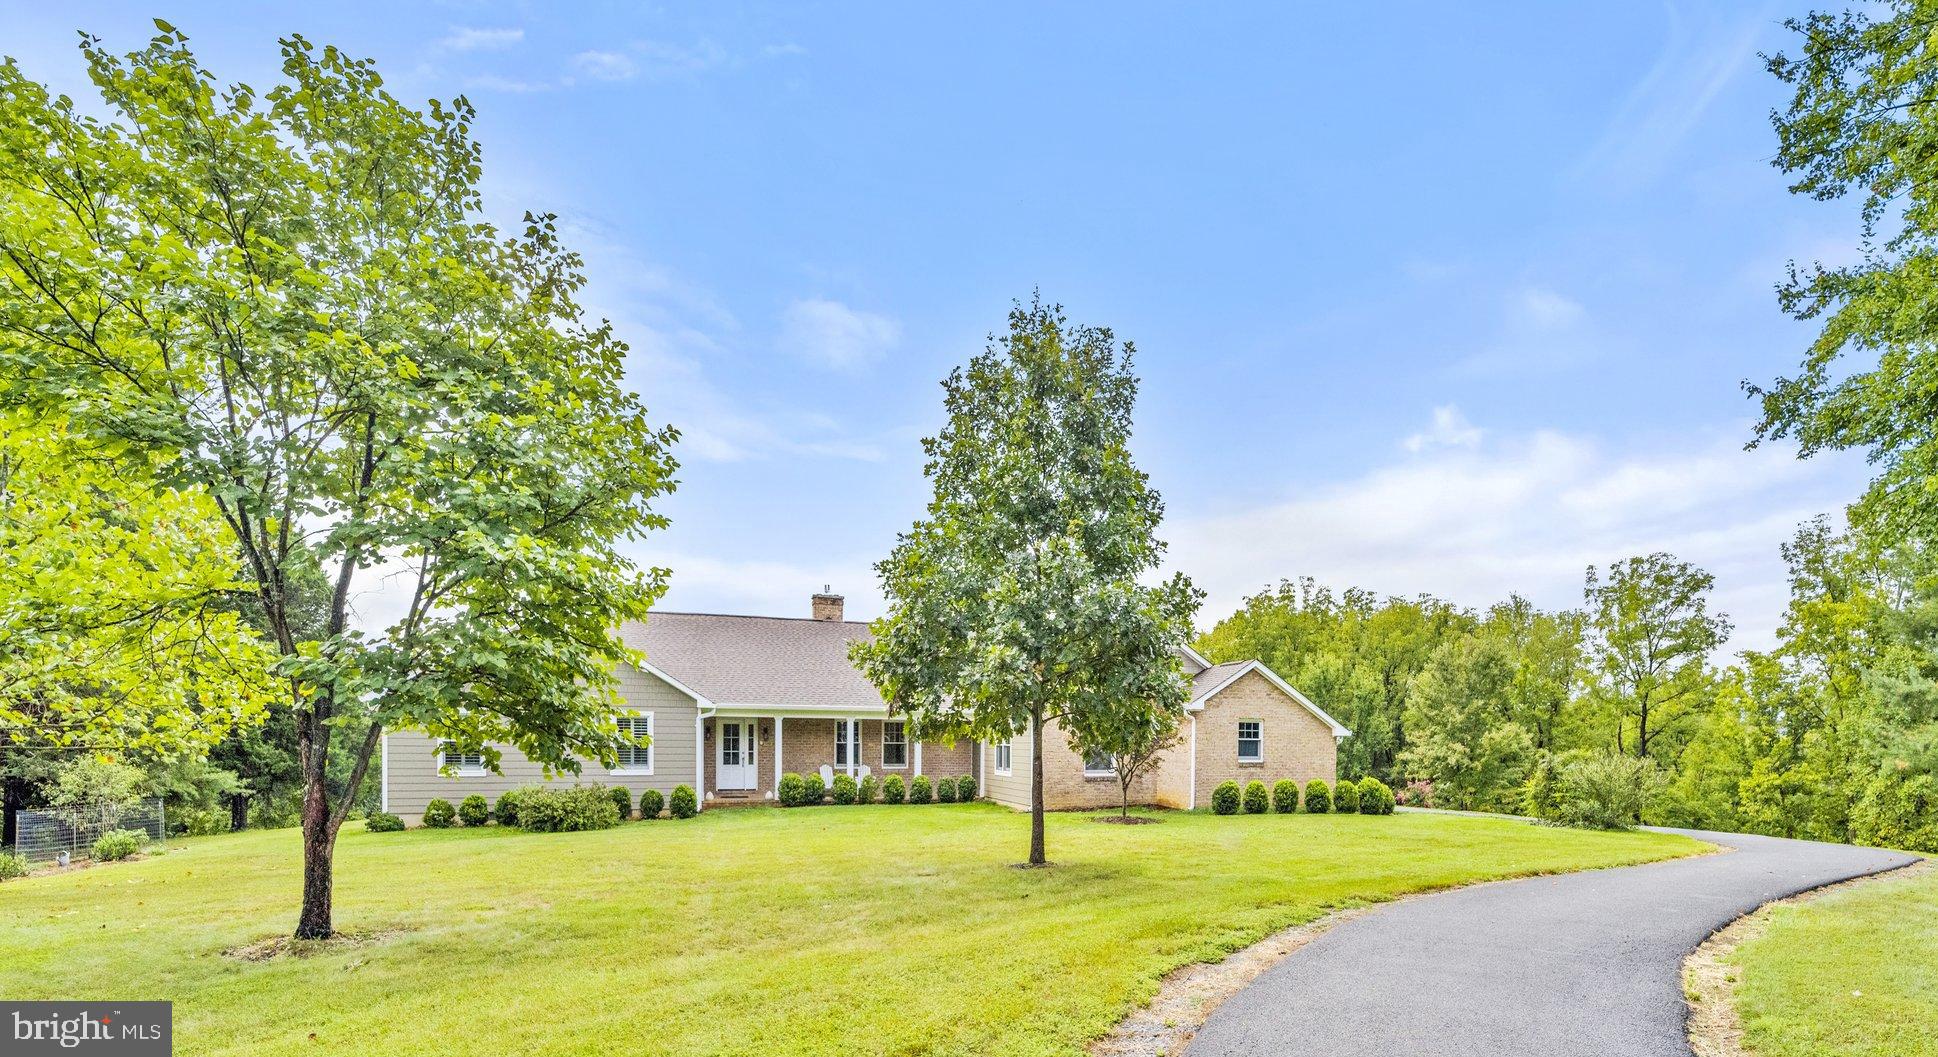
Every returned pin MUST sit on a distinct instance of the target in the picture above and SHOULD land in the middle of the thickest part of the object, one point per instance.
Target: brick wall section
(1298, 744)
(410, 761)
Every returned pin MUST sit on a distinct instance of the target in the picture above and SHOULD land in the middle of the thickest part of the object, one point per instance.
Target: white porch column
(699, 761)
(778, 721)
(918, 759)
(854, 746)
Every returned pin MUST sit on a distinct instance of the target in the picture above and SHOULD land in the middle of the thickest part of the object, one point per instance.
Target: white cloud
(1540, 329)
(833, 335)
(1526, 514)
(468, 38)
(604, 66)
(492, 82)
(661, 59)
(772, 51)
(1450, 429)
(1542, 309)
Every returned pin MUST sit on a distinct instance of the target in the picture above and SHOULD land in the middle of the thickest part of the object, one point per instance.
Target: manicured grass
(1849, 973)
(839, 931)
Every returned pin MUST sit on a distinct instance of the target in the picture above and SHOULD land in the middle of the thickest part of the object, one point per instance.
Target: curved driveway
(1585, 963)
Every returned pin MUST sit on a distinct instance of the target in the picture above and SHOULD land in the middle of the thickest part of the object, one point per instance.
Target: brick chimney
(827, 606)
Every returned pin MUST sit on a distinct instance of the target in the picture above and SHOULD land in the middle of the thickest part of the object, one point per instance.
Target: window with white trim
(1095, 763)
(847, 742)
(1002, 757)
(1251, 741)
(636, 759)
(894, 744)
(463, 764)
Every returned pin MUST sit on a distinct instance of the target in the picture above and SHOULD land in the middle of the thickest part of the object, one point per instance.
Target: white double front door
(735, 767)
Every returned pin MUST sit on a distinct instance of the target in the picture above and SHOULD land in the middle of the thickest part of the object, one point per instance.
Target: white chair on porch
(827, 777)
(862, 773)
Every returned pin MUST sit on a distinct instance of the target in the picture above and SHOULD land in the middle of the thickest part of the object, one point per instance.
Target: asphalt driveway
(1586, 963)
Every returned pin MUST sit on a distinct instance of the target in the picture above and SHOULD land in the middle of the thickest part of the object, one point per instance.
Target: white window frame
(847, 734)
(901, 730)
(1004, 756)
(458, 768)
(1260, 758)
(635, 767)
(1107, 772)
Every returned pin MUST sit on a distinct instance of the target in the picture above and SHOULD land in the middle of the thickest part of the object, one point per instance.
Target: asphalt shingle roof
(738, 660)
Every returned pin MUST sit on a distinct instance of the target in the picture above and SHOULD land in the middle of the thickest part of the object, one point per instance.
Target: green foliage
(1651, 633)
(1224, 799)
(567, 809)
(792, 791)
(290, 304)
(1345, 797)
(1375, 797)
(945, 790)
(622, 801)
(1459, 719)
(1257, 800)
(439, 814)
(1318, 797)
(683, 804)
(1541, 792)
(845, 789)
(1607, 790)
(920, 791)
(96, 791)
(118, 844)
(812, 791)
(1285, 796)
(1899, 812)
(966, 788)
(383, 822)
(473, 810)
(894, 790)
(870, 790)
(506, 809)
(198, 822)
(651, 803)
(12, 865)
(1021, 595)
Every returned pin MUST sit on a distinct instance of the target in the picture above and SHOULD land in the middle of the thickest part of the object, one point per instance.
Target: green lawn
(1851, 973)
(837, 931)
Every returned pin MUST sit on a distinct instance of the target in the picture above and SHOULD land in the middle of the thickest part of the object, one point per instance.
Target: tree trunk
(319, 845)
(238, 812)
(1036, 790)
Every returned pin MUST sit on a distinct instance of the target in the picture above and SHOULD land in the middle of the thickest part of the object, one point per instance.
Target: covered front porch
(744, 751)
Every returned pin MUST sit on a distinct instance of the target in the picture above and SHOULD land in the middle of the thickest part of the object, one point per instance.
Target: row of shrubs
(1368, 796)
(806, 790)
(549, 809)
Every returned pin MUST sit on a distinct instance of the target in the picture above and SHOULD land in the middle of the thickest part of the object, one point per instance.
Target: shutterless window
(1002, 757)
(894, 744)
(1251, 741)
(450, 759)
(1099, 763)
(637, 757)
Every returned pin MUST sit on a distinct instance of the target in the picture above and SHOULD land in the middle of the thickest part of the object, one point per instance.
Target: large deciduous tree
(1861, 121)
(1650, 636)
(1017, 600)
(290, 302)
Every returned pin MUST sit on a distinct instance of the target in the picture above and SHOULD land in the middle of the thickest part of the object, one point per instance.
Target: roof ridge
(746, 616)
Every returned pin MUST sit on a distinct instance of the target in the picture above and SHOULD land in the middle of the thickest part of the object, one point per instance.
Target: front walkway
(1587, 963)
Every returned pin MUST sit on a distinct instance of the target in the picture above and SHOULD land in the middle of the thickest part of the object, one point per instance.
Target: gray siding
(411, 778)
(1014, 788)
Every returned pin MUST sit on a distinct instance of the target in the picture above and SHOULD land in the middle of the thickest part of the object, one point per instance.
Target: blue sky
(1447, 299)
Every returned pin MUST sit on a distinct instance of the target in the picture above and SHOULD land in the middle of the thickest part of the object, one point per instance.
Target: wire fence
(44, 836)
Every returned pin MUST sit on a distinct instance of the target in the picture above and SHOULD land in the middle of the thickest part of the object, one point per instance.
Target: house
(733, 702)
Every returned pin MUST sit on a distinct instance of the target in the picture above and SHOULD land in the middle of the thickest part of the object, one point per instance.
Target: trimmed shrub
(1224, 799)
(683, 804)
(1345, 797)
(1256, 800)
(12, 865)
(1374, 797)
(812, 791)
(383, 822)
(845, 789)
(894, 790)
(118, 844)
(474, 811)
(921, 791)
(945, 790)
(869, 791)
(506, 810)
(568, 810)
(1318, 796)
(790, 791)
(966, 788)
(651, 803)
(1608, 790)
(439, 814)
(622, 801)
(1285, 796)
